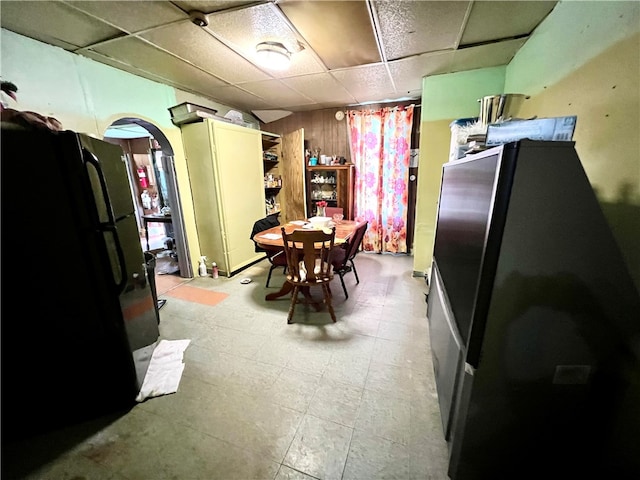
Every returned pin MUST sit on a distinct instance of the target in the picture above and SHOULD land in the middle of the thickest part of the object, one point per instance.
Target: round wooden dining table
(272, 238)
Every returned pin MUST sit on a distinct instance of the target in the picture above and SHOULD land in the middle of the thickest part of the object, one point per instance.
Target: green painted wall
(87, 96)
(572, 35)
(444, 99)
(600, 83)
(455, 95)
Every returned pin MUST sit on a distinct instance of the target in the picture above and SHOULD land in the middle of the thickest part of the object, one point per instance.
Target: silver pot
(499, 107)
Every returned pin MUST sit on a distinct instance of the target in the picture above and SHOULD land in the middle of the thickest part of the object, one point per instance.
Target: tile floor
(260, 399)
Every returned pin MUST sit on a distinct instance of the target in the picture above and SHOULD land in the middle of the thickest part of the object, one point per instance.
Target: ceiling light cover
(273, 55)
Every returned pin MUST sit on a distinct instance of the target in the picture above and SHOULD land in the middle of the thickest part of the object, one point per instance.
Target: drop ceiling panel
(366, 82)
(195, 45)
(150, 59)
(408, 73)
(124, 66)
(519, 18)
(410, 28)
(302, 63)
(276, 93)
(236, 97)
(328, 39)
(483, 56)
(311, 108)
(211, 6)
(244, 29)
(55, 23)
(347, 41)
(321, 87)
(132, 16)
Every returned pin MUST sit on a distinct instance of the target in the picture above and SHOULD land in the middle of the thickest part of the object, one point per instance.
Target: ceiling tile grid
(137, 53)
(243, 29)
(342, 52)
(124, 67)
(236, 96)
(408, 72)
(410, 28)
(54, 22)
(276, 93)
(522, 16)
(371, 81)
(321, 88)
(197, 46)
(131, 16)
(484, 56)
(341, 33)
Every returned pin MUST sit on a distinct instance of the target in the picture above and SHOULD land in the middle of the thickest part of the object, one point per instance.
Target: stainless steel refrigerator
(79, 321)
(534, 321)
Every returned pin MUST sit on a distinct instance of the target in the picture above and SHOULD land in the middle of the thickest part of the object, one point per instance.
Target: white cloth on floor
(165, 369)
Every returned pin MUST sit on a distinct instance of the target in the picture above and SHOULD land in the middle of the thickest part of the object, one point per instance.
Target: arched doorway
(166, 194)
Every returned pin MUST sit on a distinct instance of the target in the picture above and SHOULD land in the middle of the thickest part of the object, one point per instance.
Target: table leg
(284, 290)
(287, 288)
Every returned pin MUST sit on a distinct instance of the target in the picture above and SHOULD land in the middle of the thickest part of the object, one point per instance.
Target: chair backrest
(261, 225)
(355, 241)
(330, 211)
(309, 255)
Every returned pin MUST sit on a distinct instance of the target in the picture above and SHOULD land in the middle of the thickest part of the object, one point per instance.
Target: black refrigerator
(79, 321)
(534, 321)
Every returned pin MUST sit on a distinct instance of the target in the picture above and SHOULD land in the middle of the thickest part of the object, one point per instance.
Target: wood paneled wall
(321, 129)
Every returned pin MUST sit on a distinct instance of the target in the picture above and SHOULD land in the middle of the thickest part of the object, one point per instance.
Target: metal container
(186, 108)
(499, 107)
(190, 113)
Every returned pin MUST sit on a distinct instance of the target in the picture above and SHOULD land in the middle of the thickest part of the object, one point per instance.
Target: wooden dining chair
(309, 264)
(342, 258)
(330, 211)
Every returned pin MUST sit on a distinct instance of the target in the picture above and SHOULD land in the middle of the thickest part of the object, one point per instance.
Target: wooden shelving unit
(271, 152)
(333, 184)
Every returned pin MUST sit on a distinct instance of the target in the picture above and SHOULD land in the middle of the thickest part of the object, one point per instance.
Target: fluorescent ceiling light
(273, 55)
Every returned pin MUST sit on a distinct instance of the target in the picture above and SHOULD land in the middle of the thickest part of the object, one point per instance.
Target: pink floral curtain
(380, 150)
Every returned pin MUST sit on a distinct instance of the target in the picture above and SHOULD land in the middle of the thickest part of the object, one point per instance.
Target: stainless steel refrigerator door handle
(469, 369)
(110, 224)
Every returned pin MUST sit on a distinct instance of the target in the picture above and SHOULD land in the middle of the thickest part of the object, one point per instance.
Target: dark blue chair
(342, 259)
(276, 256)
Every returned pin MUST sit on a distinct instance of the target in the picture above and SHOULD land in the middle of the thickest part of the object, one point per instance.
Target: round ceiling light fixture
(273, 55)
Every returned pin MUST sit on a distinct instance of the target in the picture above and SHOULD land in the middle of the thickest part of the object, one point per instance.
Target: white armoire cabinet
(227, 186)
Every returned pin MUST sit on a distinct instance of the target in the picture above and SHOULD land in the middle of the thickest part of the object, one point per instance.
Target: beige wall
(605, 95)
(434, 146)
(568, 68)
